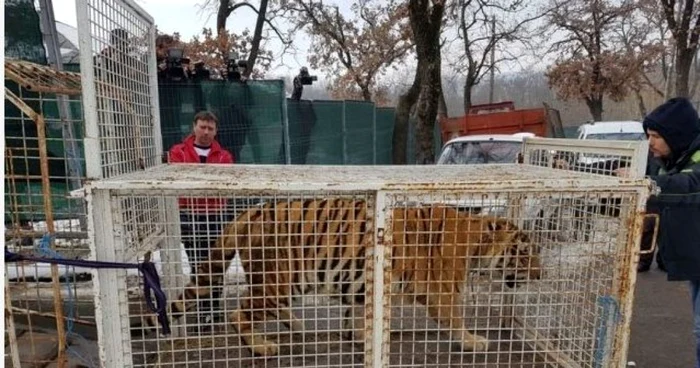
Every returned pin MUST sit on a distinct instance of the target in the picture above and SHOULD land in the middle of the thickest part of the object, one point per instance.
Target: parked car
(612, 130)
(486, 149)
(483, 149)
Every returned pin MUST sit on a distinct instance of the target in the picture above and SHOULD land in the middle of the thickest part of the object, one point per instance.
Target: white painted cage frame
(120, 87)
(164, 180)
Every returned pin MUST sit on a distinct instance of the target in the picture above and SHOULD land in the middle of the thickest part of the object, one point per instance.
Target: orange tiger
(432, 250)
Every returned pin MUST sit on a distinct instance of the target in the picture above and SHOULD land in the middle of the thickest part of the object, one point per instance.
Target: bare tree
(355, 48)
(643, 43)
(589, 65)
(266, 10)
(426, 17)
(214, 50)
(483, 26)
(683, 20)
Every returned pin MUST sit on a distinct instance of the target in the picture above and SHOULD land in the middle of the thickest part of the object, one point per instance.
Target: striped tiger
(432, 250)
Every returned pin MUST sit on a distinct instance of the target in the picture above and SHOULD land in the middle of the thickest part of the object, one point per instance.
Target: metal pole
(345, 137)
(374, 134)
(50, 35)
(493, 58)
(285, 127)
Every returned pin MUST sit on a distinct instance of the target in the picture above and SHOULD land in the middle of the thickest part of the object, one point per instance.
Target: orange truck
(502, 118)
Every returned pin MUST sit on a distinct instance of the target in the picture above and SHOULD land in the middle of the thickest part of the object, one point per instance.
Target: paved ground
(660, 334)
(661, 324)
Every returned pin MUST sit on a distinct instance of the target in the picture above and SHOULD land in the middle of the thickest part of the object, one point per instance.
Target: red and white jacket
(184, 152)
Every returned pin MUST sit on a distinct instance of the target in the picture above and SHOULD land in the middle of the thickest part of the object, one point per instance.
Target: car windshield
(618, 136)
(485, 152)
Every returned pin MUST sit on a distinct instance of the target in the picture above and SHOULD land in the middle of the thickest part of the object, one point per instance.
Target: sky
(187, 18)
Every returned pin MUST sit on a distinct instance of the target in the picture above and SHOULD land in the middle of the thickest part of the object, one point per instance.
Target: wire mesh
(499, 289)
(292, 266)
(119, 87)
(41, 217)
(625, 158)
(454, 259)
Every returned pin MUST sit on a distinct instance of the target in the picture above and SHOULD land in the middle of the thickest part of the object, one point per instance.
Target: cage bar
(44, 301)
(120, 94)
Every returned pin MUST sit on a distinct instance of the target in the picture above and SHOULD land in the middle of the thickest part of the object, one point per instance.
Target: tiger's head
(509, 253)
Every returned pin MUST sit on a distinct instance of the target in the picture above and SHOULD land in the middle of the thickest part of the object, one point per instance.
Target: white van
(612, 130)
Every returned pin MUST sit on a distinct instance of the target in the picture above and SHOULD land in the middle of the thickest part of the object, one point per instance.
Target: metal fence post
(91, 140)
(374, 134)
(285, 127)
(345, 137)
(106, 241)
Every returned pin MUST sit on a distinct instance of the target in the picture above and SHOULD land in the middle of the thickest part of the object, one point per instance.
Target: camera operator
(172, 65)
(300, 81)
(236, 68)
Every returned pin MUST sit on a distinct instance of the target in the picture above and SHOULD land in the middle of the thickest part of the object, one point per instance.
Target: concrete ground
(661, 324)
(660, 333)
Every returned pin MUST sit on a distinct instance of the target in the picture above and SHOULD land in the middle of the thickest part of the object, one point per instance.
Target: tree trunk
(426, 111)
(467, 96)
(426, 21)
(595, 106)
(403, 113)
(442, 105)
(257, 37)
(221, 16)
(640, 103)
(684, 60)
(366, 93)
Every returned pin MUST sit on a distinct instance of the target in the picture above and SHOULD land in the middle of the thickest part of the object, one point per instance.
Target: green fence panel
(23, 38)
(359, 132)
(326, 138)
(23, 189)
(385, 134)
(302, 121)
(250, 116)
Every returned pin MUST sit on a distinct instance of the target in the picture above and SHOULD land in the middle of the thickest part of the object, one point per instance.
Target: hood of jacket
(677, 122)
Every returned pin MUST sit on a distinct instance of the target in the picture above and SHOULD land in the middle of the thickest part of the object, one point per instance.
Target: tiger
(432, 251)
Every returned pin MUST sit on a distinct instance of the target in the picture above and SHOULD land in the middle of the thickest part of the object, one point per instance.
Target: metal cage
(328, 266)
(44, 305)
(120, 88)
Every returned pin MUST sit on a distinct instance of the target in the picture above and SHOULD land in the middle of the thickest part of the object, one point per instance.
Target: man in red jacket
(201, 219)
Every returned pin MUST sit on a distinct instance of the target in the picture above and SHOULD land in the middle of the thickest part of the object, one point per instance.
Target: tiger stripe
(291, 248)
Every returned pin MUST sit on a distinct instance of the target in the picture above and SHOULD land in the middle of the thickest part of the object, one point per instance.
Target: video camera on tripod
(174, 64)
(235, 68)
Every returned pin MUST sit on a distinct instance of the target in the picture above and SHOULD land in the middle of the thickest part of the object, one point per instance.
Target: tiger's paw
(476, 343)
(266, 349)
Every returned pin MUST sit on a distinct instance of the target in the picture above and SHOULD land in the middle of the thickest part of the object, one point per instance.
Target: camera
(234, 68)
(305, 78)
(174, 62)
(200, 72)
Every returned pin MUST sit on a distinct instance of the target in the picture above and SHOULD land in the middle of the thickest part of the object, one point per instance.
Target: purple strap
(151, 281)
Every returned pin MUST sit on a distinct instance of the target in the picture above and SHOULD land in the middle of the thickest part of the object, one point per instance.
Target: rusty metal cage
(44, 161)
(405, 266)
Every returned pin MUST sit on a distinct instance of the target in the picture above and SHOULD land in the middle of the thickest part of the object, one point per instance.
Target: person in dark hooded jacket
(673, 129)
(645, 260)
